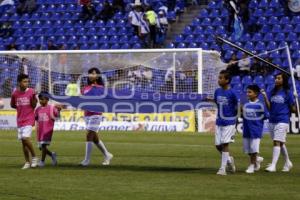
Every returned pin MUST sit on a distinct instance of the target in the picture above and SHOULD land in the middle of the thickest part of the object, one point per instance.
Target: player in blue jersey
(254, 113)
(280, 103)
(227, 103)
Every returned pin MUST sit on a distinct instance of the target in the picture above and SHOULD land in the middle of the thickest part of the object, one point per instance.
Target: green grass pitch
(145, 166)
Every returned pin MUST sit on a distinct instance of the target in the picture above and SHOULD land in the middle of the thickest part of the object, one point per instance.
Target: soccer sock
(276, 154)
(88, 150)
(229, 161)
(102, 148)
(285, 153)
(225, 158)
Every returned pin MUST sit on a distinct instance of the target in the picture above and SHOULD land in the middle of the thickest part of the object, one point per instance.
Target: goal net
(162, 70)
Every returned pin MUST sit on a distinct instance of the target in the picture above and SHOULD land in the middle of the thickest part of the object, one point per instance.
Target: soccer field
(145, 166)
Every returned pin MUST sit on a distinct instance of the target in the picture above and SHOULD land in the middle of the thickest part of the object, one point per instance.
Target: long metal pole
(253, 55)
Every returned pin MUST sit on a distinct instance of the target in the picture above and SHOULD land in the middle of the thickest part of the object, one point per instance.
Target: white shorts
(224, 134)
(92, 122)
(278, 131)
(251, 145)
(24, 132)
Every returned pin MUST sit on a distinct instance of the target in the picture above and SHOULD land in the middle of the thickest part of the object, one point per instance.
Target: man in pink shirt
(45, 116)
(24, 101)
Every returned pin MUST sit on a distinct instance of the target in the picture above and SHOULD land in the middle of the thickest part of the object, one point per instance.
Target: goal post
(147, 70)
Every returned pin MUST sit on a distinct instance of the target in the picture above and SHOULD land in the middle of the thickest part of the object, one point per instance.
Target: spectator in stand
(171, 4)
(7, 87)
(268, 69)
(134, 18)
(6, 29)
(26, 6)
(107, 12)
(151, 17)
(144, 31)
(12, 47)
(163, 24)
(24, 66)
(256, 68)
(118, 5)
(244, 65)
(232, 66)
(88, 10)
(233, 9)
(51, 46)
(244, 11)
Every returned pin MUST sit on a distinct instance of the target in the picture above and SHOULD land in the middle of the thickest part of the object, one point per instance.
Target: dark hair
(21, 77)
(226, 74)
(44, 94)
(254, 88)
(285, 83)
(99, 78)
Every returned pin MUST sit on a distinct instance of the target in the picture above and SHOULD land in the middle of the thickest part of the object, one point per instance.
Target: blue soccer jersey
(227, 102)
(254, 114)
(280, 102)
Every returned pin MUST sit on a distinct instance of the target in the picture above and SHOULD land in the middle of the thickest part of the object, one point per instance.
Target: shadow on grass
(136, 168)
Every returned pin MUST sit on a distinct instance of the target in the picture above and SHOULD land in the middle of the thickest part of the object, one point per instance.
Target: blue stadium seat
(263, 4)
(112, 31)
(91, 31)
(181, 45)
(114, 39)
(257, 37)
(127, 46)
(272, 45)
(292, 37)
(115, 46)
(296, 19)
(280, 37)
(206, 22)
(288, 28)
(235, 80)
(104, 39)
(171, 45)
(295, 45)
(277, 28)
(179, 38)
(209, 30)
(285, 20)
(135, 46)
(196, 22)
(258, 80)
(187, 30)
(273, 20)
(269, 37)
(260, 46)
(193, 45)
(246, 80)
(198, 30)
(274, 4)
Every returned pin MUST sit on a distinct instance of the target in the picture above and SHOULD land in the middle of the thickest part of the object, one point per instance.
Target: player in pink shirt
(45, 116)
(93, 120)
(23, 99)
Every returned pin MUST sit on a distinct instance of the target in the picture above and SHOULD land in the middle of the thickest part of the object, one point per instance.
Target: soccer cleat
(259, 160)
(250, 169)
(41, 164)
(107, 159)
(270, 168)
(287, 166)
(85, 163)
(34, 162)
(54, 160)
(222, 172)
(26, 166)
(231, 166)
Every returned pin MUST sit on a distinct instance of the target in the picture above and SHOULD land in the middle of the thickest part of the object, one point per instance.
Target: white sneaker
(222, 172)
(259, 160)
(26, 166)
(34, 162)
(107, 159)
(271, 168)
(41, 164)
(85, 163)
(231, 166)
(287, 166)
(250, 169)
(54, 160)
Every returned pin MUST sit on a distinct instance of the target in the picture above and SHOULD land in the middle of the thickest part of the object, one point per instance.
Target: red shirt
(85, 2)
(22, 100)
